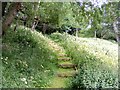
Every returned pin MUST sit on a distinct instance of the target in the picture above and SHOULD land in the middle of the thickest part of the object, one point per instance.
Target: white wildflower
(1, 57)
(23, 79)
(6, 58)
(31, 77)
(25, 82)
(42, 66)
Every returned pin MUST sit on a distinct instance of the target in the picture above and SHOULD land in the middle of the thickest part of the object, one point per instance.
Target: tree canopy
(84, 15)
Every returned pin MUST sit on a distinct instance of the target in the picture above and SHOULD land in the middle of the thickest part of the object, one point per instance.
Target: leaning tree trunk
(13, 10)
(117, 32)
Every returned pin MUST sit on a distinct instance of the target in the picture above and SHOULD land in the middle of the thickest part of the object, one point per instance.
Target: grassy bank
(27, 61)
(97, 61)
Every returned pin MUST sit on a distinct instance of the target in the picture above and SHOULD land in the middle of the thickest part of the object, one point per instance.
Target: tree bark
(35, 23)
(117, 32)
(76, 32)
(13, 10)
(44, 28)
(95, 34)
(36, 18)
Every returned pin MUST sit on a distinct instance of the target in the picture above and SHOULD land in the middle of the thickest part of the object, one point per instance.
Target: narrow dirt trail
(65, 70)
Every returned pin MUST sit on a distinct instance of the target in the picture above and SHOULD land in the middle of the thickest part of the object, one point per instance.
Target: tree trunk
(36, 18)
(76, 32)
(13, 10)
(44, 28)
(35, 23)
(117, 32)
(33, 26)
(95, 36)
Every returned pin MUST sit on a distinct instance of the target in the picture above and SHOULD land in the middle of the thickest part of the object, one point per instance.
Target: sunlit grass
(97, 60)
(58, 82)
(27, 59)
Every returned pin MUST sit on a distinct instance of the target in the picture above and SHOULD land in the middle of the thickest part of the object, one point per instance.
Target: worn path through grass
(65, 68)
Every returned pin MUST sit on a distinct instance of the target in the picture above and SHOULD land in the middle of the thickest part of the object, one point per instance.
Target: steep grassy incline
(96, 60)
(33, 60)
(27, 59)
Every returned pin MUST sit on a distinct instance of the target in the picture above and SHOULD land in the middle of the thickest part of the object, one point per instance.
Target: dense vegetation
(48, 17)
(37, 35)
(27, 60)
(97, 65)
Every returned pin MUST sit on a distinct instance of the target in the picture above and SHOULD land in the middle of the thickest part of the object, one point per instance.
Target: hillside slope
(33, 60)
(27, 59)
(96, 59)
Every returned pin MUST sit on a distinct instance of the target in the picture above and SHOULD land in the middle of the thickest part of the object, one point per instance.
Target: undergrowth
(96, 59)
(26, 59)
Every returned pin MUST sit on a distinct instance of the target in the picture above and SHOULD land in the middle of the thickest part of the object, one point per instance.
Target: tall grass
(27, 61)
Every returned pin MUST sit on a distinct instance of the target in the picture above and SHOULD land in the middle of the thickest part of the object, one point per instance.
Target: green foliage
(27, 60)
(96, 68)
(86, 33)
(74, 14)
(78, 15)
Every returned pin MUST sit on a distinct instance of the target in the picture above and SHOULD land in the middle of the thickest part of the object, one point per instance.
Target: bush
(93, 73)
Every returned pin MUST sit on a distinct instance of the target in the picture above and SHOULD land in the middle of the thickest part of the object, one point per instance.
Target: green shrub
(93, 73)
